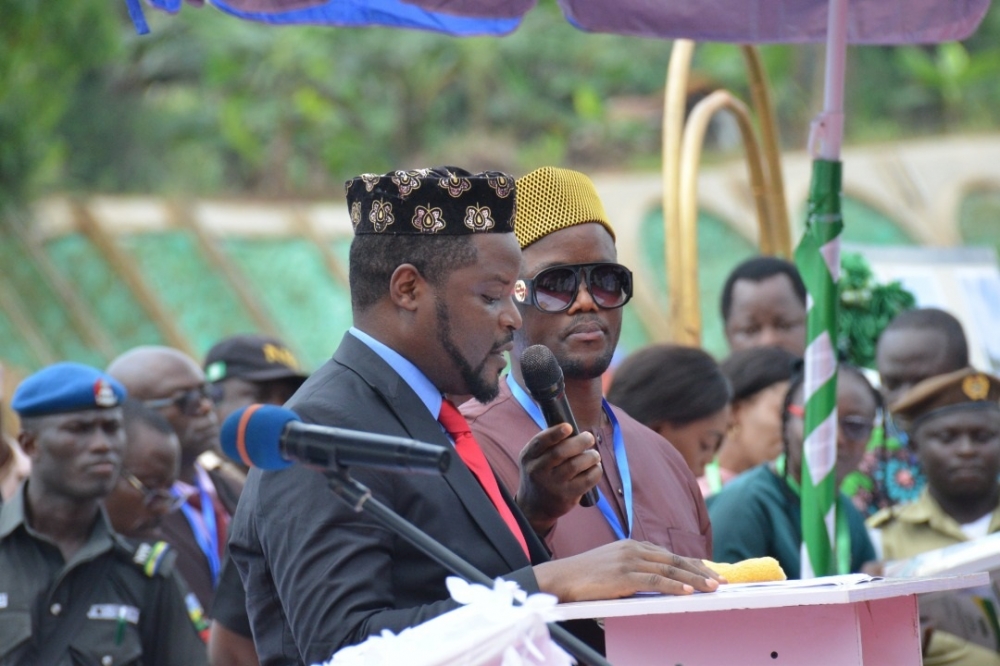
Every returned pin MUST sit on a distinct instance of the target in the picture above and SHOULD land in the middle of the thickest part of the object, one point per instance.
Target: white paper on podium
(966, 557)
(970, 613)
(846, 580)
(489, 629)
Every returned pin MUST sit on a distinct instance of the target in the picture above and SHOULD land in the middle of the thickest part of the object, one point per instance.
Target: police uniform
(907, 530)
(114, 602)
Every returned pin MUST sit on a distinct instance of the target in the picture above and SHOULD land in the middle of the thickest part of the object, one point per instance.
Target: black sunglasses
(555, 289)
(188, 402)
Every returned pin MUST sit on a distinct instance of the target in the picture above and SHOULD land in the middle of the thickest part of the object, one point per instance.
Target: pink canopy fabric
(773, 21)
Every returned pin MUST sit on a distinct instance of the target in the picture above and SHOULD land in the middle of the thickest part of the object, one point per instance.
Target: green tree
(211, 104)
(46, 50)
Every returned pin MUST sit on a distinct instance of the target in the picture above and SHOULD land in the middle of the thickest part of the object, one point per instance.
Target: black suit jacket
(320, 576)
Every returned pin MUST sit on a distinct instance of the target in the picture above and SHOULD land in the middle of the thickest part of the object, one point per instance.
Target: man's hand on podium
(622, 569)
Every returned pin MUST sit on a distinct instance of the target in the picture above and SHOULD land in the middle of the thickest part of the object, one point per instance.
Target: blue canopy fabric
(389, 13)
(355, 13)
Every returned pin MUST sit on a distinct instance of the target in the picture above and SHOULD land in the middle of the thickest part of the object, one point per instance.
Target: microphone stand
(360, 499)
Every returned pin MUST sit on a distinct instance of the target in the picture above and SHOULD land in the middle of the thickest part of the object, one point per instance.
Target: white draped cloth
(488, 630)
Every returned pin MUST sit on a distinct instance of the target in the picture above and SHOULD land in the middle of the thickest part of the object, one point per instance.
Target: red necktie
(468, 450)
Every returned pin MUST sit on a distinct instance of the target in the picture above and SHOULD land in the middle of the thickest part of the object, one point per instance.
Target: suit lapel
(423, 427)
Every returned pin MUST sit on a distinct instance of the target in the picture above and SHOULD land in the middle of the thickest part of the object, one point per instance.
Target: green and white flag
(818, 260)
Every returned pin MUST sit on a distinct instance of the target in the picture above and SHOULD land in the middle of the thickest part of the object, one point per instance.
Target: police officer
(72, 591)
(953, 421)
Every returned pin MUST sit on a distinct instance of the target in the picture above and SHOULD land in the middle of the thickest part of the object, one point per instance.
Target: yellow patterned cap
(550, 199)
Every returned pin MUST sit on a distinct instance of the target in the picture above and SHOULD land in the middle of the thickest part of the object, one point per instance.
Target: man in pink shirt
(571, 294)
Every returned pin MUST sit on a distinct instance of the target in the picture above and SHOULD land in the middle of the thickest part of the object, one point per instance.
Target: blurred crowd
(118, 504)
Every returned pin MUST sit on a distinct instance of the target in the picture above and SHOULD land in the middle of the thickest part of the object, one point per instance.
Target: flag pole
(818, 260)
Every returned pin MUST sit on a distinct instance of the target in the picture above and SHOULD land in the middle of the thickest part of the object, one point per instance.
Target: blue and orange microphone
(272, 438)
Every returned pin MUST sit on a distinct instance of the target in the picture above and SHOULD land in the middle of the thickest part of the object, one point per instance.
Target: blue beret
(66, 387)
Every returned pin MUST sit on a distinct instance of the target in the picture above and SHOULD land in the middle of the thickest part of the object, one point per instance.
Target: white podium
(822, 622)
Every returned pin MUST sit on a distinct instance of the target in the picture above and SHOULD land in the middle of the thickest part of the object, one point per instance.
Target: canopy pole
(826, 547)
(827, 131)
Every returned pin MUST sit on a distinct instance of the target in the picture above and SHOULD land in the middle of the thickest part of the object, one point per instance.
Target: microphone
(544, 380)
(272, 437)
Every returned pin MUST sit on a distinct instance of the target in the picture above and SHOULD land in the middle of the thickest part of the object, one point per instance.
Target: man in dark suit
(432, 271)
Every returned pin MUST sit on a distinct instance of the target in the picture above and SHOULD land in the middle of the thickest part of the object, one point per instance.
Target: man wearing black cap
(71, 590)
(432, 272)
(249, 369)
(246, 369)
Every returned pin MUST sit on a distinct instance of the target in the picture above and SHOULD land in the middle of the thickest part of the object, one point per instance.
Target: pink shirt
(668, 507)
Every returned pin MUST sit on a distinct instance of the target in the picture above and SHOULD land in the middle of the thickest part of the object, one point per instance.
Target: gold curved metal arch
(693, 140)
(681, 158)
(760, 100)
(674, 103)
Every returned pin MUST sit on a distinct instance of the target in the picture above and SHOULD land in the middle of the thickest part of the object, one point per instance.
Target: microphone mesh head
(540, 369)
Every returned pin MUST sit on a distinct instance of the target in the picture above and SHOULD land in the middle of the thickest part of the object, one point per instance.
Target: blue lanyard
(621, 459)
(204, 527)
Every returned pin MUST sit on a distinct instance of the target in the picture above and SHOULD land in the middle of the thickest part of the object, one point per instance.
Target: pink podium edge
(875, 622)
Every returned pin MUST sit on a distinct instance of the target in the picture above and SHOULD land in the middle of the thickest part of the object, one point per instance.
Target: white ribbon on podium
(488, 630)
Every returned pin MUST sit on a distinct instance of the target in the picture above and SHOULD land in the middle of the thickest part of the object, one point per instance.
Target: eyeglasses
(854, 428)
(555, 289)
(159, 497)
(188, 402)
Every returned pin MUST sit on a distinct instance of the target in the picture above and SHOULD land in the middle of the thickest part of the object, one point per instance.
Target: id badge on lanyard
(621, 459)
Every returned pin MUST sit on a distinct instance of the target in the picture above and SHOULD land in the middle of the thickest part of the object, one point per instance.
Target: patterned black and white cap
(442, 200)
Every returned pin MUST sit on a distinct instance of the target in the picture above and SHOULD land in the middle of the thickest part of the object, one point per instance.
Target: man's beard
(482, 389)
(578, 369)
